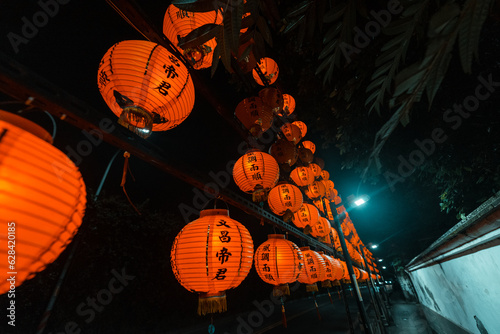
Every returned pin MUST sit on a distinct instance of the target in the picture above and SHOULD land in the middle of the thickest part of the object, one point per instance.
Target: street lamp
(374, 246)
(359, 202)
(384, 267)
(380, 260)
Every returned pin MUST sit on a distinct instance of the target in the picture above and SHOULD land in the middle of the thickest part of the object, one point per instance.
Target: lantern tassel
(329, 296)
(312, 287)
(281, 290)
(211, 304)
(126, 167)
(317, 308)
(283, 314)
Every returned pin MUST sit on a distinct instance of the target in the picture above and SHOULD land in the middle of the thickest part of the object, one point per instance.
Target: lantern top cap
(214, 212)
(276, 236)
(26, 125)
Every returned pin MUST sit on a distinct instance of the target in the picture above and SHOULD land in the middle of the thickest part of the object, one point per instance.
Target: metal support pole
(347, 258)
(346, 304)
(381, 318)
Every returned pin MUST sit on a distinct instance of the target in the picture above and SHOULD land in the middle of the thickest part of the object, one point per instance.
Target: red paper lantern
(284, 151)
(325, 175)
(315, 190)
(305, 155)
(314, 269)
(278, 262)
(337, 269)
(316, 169)
(42, 199)
(146, 86)
(345, 271)
(302, 176)
(269, 69)
(309, 145)
(329, 273)
(284, 197)
(291, 132)
(303, 129)
(321, 228)
(254, 115)
(272, 98)
(179, 23)
(256, 172)
(210, 255)
(288, 105)
(336, 240)
(307, 215)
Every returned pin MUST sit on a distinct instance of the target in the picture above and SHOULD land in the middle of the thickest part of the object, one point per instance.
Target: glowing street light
(359, 202)
(380, 260)
(384, 267)
(374, 246)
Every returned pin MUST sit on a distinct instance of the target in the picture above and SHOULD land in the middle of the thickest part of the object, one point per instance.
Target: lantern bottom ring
(137, 120)
(212, 303)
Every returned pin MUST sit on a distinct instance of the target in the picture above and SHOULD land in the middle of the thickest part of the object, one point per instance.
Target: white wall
(462, 288)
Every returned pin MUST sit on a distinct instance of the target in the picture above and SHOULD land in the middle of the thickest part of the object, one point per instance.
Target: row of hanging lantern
(215, 253)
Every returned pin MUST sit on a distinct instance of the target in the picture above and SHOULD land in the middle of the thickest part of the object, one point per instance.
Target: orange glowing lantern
(278, 262)
(146, 86)
(364, 275)
(179, 23)
(329, 274)
(307, 215)
(345, 271)
(337, 200)
(316, 169)
(256, 173)
(284, 151)
(210, 255)
(269, 69)
(314, 269)
(272, 98)
(321, 228)
(288, 105)
(325, 175)
(357, 273)
(309, 145)
(336, 240)
(303, 129)
(315, 190)
(42, 199)
(302, 176)
(285, 198)
(338, 272)
(254, 115)
(291, 132)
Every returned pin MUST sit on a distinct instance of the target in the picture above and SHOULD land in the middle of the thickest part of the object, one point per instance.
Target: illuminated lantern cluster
(254, 115)
(284, 152)
(269, 69)
(210, 255)
(179, 23)
(146, 86)
(321, 228)
(256, 172)
(278, 262)
(302, 176)
(314, 269)
(42, 199)
(307, 215)
(285, 198)
(288, 105)
(291, 132)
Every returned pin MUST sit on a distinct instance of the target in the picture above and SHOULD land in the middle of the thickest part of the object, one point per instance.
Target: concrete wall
(465, 290)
